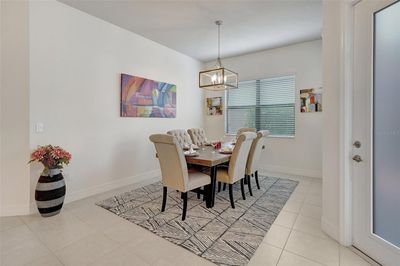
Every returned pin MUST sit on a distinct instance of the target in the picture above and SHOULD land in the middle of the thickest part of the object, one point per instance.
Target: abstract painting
(214, 106)
(311, 100)
(141, 97)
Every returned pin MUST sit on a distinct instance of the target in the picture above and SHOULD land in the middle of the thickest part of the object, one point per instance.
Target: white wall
(302, 154)
(14, 171)
(336, 140)
(75, 61)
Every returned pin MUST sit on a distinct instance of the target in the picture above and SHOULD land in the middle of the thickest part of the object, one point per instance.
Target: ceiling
(188, 26)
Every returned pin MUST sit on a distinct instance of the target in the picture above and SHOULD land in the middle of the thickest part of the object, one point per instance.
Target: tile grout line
(41, 241)
(291, 229)
(291, 252)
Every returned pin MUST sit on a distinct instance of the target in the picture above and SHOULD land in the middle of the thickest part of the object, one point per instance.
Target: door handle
(357, 158)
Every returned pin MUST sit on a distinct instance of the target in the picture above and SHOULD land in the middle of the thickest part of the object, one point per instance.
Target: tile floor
(85, 234)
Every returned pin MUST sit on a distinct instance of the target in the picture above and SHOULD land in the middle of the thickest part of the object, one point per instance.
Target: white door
(376, 130)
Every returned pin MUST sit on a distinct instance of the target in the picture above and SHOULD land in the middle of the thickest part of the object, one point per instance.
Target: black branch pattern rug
(222, 235)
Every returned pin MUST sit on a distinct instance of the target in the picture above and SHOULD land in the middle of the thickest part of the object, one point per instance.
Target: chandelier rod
(219, 23)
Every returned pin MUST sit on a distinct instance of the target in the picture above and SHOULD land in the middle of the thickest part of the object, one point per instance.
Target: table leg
(211, 195)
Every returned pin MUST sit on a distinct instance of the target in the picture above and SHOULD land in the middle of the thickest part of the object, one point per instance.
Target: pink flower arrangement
(51, 157)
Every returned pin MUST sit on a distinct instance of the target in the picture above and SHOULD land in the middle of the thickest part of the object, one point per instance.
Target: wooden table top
(208, 157)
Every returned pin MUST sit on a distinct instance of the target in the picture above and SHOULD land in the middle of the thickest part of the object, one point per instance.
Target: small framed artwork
(214, 106)
(311, 100)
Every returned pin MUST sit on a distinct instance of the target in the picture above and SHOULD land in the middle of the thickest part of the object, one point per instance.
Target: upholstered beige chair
(245, 129)
(237, 164)
(198, 136)
(253, 161)
(182, 137)
(174, 170)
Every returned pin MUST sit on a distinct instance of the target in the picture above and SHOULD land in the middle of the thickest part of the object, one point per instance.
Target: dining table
(209, 157)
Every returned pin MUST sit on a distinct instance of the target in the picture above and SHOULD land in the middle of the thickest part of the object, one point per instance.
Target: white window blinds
(263, 104)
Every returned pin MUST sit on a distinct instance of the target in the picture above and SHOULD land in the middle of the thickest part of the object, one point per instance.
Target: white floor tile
(314, 199)
(312, 211)
(153, 250)
(9, 222)
(315, 187)
(122, 256)
(293, 206)
(303, 187)
(49, 260)
(286, 219)
(97, 217)
(298, 196)
(324, 251)
(58, 231)
(290, 259)
(309, 225)
(184, 259)
(19, 246)
(277, 236)
(266, 255)
(128, 232)
(86, 250)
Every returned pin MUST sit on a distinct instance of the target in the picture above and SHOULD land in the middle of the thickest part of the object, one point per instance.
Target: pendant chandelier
(218, 78)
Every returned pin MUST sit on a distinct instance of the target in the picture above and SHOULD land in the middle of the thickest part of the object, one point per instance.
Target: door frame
(346, 113)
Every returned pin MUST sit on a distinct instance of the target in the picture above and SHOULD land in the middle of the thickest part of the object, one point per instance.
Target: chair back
(245, 129)
(182, 137)
(255, 151)
(198, 136)
(237, 163)
(172, 161)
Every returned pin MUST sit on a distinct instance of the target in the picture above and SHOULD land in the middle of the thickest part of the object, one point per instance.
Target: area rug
(222, 235)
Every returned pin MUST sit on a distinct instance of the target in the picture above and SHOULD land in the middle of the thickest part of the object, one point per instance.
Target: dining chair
(174, 169)
(198, 136)
(253, 161)
(182, 137)
(237, 164)
(245, 129)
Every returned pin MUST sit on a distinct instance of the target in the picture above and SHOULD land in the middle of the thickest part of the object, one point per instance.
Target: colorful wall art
(311, 100)
(214, 106)
(141, 97)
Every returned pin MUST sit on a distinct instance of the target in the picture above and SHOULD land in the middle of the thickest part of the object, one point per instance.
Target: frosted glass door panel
(386, 148)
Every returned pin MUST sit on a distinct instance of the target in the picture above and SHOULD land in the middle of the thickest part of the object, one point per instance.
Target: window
(262, 104)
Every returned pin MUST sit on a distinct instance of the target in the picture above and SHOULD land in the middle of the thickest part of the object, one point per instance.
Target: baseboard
(151, 176)
(330, 229)
(292, 171)
(14, 210)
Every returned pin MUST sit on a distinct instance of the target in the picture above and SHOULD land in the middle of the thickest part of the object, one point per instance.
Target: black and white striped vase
(50, 193)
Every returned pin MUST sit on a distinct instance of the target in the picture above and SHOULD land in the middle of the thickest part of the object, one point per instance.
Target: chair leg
(242, 188)
(249, 184)
(198, 193)
(256, 175)
(224, 187)
(164, 199)
(219, 186)
(184, 197)
(231, 196)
